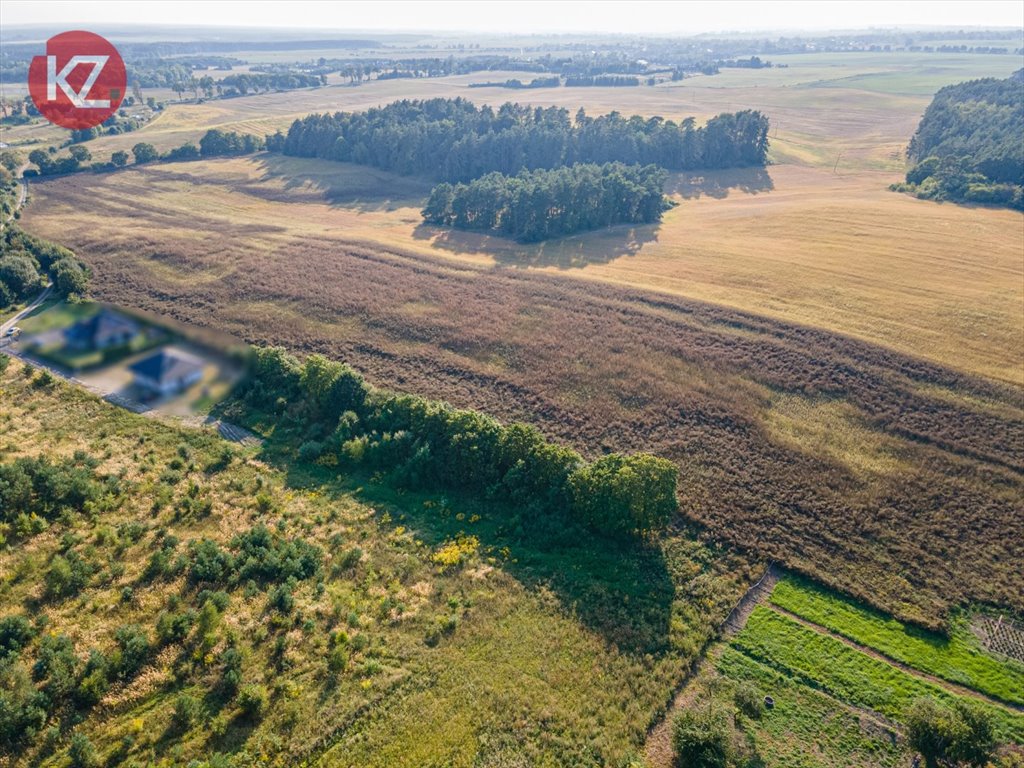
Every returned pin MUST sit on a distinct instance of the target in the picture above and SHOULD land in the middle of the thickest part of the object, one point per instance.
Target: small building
(103, 330)
(167, 372)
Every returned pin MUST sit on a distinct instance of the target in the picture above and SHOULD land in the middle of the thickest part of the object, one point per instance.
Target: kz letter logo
(80, 82)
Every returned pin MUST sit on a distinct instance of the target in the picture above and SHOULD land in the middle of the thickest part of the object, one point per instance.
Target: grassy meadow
(535, 654)
(958, 658)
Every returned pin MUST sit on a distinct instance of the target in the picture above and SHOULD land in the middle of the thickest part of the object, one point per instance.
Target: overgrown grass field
(519, 651)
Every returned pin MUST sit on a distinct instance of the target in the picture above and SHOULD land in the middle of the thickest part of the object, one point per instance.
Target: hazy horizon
(501, 17)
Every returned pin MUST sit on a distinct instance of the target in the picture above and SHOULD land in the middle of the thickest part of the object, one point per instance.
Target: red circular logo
(80, 82)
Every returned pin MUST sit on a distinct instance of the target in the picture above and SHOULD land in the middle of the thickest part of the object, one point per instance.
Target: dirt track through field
(658, 748)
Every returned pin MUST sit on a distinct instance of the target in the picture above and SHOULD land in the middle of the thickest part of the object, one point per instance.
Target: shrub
(210, 564)
(231, 675)
(186, 712)
(132, 650)
(15, 633)
(173, 627)
(94, 681)
(280, 598)
(749, 700)
(702, 738)
(337, 659)
(66, 576)
(82, 753)
(252, 700)
(22, 707)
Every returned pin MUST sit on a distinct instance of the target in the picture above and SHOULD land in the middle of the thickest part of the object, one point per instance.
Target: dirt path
(35, 303)
(959, 690)
(659, 742)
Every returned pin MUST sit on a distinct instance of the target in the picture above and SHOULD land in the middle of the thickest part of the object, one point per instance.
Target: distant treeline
(537, 82)
(253, 82)
(613, 81)
(454, 140)
(215, 143)
(536, 205)
(968, 146)
(424, 444)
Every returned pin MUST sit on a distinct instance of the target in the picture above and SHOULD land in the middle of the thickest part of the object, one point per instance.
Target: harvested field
(915, 508)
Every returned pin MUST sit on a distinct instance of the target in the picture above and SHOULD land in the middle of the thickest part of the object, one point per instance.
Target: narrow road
(14, 320)
(659, 740)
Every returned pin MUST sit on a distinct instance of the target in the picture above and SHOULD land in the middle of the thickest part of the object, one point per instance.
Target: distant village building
(167, 372)
(103, 330)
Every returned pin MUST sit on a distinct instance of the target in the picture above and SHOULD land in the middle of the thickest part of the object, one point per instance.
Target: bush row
(430, 445)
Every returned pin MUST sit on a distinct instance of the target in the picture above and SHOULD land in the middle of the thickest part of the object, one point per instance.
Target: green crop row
(957, 658)
(828, 664)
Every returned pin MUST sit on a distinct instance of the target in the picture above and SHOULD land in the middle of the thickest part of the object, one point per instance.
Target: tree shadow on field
(343, 185)
(718, 184)
(618, 589)
(599, 246)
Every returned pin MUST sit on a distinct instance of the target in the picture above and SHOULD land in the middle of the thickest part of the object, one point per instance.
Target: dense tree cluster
(10, 187)
(112, 126)
(257, 555)
(536, 205)
(960, 735)
(50, 165)
(218, 143)
(515, 83)
(454, 140)
(254, 82)
(968, 146)
(426, 444)
(214, 143)
(36, 490)
(25, 262)
(605, 81)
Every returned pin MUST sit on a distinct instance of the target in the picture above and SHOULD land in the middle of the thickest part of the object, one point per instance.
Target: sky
(524, 16)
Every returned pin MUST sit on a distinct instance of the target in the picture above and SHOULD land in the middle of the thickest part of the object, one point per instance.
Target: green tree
(252, 700)
(962, 735)
(703, 738)
(119, 158)
(626, 494)
(82, 753)
(70, 278)
(144, 153)
(80, 153)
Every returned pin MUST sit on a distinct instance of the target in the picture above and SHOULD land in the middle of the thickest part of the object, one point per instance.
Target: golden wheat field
(796, 243)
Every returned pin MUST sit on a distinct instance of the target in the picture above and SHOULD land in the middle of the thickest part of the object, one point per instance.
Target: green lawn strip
(57, 313)
(957, 658)
(805, 728)
(851, 676)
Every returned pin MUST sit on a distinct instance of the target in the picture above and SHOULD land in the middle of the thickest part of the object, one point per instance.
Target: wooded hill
(969, 146)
